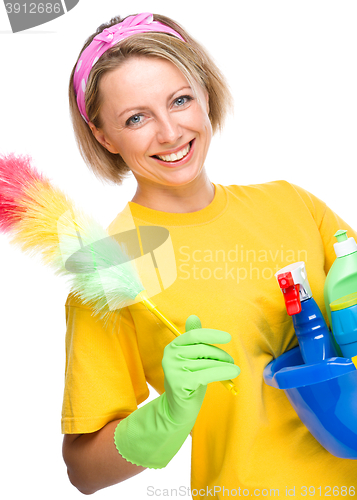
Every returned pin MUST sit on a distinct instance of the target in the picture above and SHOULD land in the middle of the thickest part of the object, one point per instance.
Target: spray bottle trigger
(290, 293)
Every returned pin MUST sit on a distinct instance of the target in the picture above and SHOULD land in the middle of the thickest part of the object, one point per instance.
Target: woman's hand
(190, 362)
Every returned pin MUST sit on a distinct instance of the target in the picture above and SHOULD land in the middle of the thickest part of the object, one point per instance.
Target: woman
(146, 98)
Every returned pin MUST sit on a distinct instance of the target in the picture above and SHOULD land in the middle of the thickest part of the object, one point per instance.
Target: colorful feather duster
(41, 219)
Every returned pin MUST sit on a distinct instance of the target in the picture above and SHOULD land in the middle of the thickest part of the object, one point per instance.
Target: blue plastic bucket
(324, 395)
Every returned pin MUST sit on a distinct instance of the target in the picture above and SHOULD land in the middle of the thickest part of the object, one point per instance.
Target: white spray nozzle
(299, 276)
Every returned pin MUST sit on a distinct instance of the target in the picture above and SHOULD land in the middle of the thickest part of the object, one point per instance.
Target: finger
(199, 365)
(193, 323)
(204, 336)
(215, 372)
(200, 351)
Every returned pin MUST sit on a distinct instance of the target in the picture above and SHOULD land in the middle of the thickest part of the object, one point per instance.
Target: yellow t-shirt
(226, 256)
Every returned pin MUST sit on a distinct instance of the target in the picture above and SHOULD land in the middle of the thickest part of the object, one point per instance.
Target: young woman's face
(153, 119)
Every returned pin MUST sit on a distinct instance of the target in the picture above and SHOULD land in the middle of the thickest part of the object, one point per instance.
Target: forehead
(141, 76)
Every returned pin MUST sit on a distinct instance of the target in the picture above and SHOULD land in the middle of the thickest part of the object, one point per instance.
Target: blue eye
(180, 101)
(134, 120)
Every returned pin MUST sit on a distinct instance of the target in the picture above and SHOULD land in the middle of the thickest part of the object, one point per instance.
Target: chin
(184, 178)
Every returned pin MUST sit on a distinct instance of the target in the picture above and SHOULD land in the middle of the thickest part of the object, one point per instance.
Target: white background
(292, 70)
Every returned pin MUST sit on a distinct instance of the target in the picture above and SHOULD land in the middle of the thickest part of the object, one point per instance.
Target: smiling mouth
(175, 156)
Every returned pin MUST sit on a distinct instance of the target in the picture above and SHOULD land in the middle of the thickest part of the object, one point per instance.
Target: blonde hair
(190, 58)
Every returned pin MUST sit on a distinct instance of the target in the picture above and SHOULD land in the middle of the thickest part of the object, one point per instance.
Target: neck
(191, 197)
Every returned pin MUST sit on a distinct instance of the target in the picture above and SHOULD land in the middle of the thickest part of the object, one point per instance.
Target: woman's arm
(93, 462)
(152, 434)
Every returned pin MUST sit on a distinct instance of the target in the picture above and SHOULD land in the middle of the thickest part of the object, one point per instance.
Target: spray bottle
(310, 326)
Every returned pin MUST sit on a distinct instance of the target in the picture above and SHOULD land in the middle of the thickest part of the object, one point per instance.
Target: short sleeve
(328, 222)
(104, 375)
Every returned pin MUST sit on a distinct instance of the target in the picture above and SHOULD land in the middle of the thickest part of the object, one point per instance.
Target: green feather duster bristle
(100, 271)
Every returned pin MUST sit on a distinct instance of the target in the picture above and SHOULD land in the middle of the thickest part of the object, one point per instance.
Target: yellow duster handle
(142, 297)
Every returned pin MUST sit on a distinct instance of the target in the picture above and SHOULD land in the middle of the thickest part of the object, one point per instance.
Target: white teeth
(176, 156)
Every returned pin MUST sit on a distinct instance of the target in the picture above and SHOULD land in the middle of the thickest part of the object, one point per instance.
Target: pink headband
(142, 23)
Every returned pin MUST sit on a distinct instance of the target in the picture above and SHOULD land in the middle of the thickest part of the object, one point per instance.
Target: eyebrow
(133, 110)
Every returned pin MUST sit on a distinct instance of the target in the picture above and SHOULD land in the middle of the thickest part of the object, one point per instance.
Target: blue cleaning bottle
(310, 326)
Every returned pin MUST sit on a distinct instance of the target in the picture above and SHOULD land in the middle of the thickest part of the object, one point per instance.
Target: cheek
(207, 128)
(201, 118)
(132, 145)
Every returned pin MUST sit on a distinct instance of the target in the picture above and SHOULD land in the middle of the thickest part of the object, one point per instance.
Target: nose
(168, 129)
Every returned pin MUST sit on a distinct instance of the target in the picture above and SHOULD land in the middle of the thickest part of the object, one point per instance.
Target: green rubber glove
(153, 434)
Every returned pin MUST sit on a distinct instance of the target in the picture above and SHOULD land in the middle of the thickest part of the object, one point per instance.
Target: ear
(101, 138)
